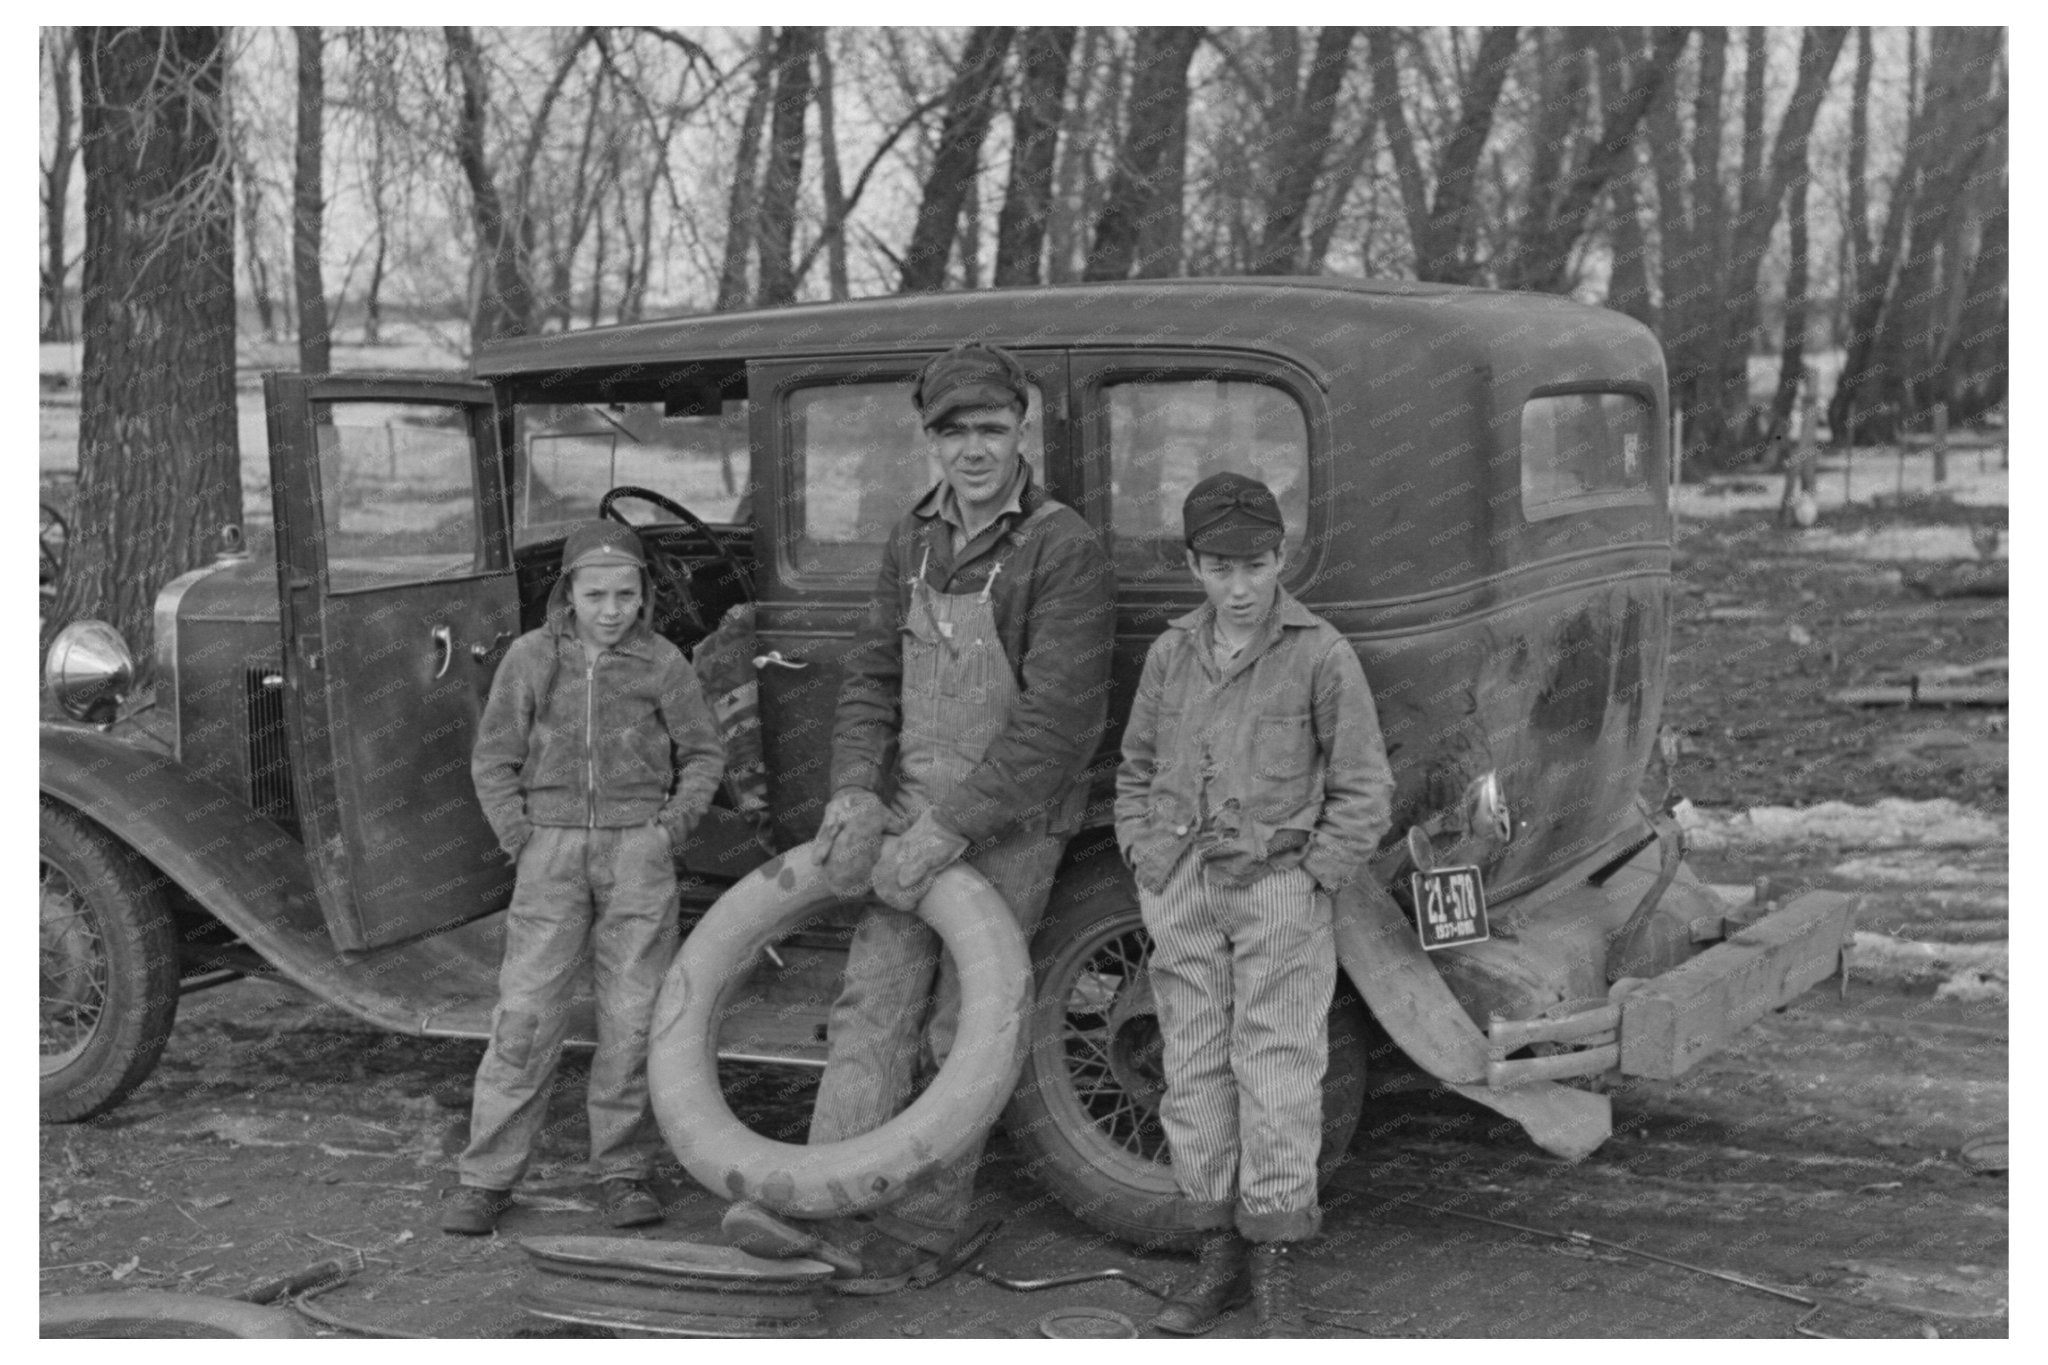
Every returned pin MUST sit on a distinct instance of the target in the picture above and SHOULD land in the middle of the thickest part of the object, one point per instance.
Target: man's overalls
(957, 691)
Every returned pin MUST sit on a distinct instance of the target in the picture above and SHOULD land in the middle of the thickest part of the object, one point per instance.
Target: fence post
(1941, 443)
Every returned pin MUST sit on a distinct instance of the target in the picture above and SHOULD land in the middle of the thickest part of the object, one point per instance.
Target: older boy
(596, 755)
(1254, 786)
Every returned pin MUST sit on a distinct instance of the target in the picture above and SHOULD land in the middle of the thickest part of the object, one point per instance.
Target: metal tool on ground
(1032, 1286)
(331, 1271)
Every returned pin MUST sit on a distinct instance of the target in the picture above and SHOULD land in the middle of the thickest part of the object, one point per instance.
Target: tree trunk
(775, 236)
(248, 201)
(1306, 148)
(1452, 222)
(1977, 363)
(309, 209)
(1792, 354)
(1069, 216)
(1043, 56)
(970, 105)
(505, 301)
(1155, 130)
(1628, 285)
(835, 189)
(1546, 262)
(741, 215)
(159, 470)
(58, 49)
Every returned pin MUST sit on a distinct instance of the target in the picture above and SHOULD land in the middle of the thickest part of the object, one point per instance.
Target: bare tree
(834, 232)
(58, 47)
(742, 212)
(159, 468)
(1149, 158)
(1044, 54)
(1303, 153)
(1441, 221)
(970, 105)
(309, 207)
(776, 234)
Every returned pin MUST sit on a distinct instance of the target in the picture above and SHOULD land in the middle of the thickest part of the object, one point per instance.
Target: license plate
(1450, 906)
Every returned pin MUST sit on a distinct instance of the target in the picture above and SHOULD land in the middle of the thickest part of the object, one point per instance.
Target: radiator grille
(270, 762)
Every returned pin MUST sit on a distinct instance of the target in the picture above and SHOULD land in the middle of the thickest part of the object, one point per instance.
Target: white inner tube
(860, 1173)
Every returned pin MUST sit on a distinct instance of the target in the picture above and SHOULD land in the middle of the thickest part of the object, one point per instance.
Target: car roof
(1314, 320)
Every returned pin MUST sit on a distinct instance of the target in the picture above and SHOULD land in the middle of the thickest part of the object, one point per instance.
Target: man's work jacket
(1054, 601)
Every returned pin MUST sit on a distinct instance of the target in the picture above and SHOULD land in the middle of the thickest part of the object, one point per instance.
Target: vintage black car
(1475, 485)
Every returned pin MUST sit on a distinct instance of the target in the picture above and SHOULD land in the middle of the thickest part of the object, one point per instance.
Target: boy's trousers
(614, 889)
(1243, 978)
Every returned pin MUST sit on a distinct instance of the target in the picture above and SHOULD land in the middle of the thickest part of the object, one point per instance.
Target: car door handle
(444, 640)
(774, 656)
(480, 652)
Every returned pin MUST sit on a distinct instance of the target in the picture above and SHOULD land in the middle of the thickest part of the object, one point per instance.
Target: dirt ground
(1820, 1156)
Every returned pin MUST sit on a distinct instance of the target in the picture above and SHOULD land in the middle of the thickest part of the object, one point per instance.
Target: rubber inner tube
(865, 1172)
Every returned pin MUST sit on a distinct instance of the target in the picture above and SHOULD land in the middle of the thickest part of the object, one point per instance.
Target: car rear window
(1167, 435)
(861, 460)
(1584, 451)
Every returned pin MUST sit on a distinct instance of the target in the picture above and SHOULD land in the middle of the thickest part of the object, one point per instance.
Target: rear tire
(1086, 1111)
(109, 967)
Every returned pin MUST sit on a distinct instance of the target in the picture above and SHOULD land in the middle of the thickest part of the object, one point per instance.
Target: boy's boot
(473, 1211)
(1218, 1287)
(1273, 1293)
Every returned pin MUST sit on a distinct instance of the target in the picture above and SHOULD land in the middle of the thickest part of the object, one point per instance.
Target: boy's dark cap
(595, 544)
(1231, 514)
(969, 376)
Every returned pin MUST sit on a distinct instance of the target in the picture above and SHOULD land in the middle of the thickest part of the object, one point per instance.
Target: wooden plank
(1695, 1009)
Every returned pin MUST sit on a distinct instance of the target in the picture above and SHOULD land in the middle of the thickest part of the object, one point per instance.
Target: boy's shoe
(627, 1203)
(474, 1211)
(1218, 1286)
(1274, 1297)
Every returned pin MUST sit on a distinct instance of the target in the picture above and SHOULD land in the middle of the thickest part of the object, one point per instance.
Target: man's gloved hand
(906, 872)
(850, 839)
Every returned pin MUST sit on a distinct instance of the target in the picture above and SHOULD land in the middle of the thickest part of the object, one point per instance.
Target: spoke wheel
(107, 967)
(1086, 1111)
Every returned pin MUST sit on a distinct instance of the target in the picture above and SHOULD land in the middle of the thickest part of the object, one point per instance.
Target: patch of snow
(1898, 542)
(1908, 870)
(1891, 823)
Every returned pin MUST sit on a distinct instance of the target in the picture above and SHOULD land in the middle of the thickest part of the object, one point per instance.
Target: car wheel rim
(1109, 1039)
(73, 971)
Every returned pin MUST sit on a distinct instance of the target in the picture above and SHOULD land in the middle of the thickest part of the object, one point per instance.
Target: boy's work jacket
(620, 741)
(1273, 761)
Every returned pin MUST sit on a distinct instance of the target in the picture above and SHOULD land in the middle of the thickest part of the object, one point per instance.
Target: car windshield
(566, 456)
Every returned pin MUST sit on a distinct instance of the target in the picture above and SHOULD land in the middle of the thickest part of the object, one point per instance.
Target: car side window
(1167, 434)
(1583, 451)
(859, 461)
(397, 488)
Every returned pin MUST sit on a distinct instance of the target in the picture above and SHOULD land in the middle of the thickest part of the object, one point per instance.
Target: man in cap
(984, 670)
(1254, 786)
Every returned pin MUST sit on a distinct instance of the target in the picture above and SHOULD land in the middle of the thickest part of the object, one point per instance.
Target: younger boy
(1254, 786)
(596, 755)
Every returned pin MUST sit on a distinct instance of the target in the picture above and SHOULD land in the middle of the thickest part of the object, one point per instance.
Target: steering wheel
(671, 573)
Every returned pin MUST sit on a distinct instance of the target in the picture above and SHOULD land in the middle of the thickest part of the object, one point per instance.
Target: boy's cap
(1231, 514)
(969, 376)
(594, 544)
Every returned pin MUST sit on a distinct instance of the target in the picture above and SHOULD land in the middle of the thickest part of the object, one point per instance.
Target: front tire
(1086, 1111)
(108, 967)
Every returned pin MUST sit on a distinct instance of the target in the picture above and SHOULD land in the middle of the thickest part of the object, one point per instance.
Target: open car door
(398, 598)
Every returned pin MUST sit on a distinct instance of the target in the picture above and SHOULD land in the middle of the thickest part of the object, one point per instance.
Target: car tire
(109, 967)
(1085, 1113)
(159, 1314)
(829, 1179)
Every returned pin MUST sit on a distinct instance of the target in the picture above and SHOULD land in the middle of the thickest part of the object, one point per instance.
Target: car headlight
(89, 671)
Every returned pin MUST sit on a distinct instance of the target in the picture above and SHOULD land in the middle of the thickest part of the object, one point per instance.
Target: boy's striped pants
(1243, 978)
